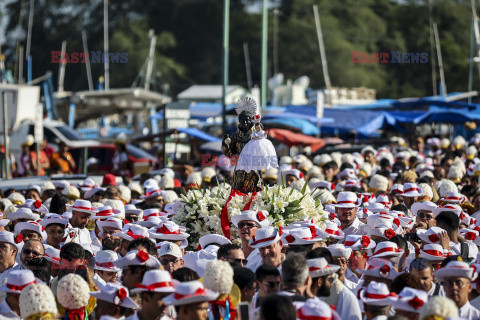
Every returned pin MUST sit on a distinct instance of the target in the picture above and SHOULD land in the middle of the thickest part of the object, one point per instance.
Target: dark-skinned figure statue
(244, 182)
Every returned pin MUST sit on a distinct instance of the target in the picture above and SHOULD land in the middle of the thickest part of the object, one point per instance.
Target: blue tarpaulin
(199, 134)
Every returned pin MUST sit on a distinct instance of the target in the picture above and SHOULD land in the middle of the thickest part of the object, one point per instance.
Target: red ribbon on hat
(349, 243)
(345, 201)
(105, 264)
(389, 249)
(105, 212)
(470, 235)
(302, 316)
(260, 216)
(142, 256)
(37, 204)
(153, 286)
(379, 296)
(164, 230)
(19, 288)
(134, 236)
(225, 222)
(332, 216)
(411, 189)
(120, 296)
(416, 303)
(18, 238)
(389, 233)
(82, 208)
(249, 203)
(199, 292)
(331, 231)
(317, 268)
(365, 241)
(290, 238)
(433, 237)
(255, 242)
(434, 253)
(148, 194)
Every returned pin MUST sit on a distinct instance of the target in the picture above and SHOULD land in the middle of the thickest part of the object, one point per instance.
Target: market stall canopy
(193, 132)
(291, 139)
(91, 104)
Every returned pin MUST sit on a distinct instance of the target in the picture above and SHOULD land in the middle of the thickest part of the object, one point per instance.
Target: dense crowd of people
(401, 241)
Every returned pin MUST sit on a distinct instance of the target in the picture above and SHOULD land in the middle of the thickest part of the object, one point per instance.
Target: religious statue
(255, 152)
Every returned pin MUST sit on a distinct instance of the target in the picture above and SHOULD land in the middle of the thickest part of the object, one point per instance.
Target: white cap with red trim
(83, 206)
(131, 232)
(359, 242)
(303, 235)
(190, 292)
(260, 217)
(411, 300)
(376, 293)
(17, 280)
(52, 254)
(168, 230)
(105, 261)
(138, 258)
(333, 230)
(315, 309)
(346, 199)
(387, 249)
(264, 237)
(115, 294)
(319, 267)
(156, 281)
(105, 213)
(152, 192)
(433, 252)
(454, 197)
(455, 269)
(411, 190)
(32, 226)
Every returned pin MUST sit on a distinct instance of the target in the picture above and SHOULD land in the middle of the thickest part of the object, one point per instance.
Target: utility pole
(443, 90)
(326, 77)
(28, 56)
(225, 58)
(432, 50)
(19, 50)
(105, 45)
(87, 58)
(263, 96)
(63, 63)
(246, 54)
(275, 41)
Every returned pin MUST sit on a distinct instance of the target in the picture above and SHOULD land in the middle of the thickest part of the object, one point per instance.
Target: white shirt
(6, 312)
(82, 236)
(350, 284)
(135, 316)
(467, 311)
(254, 260)
(351, 276)
(431, 292)
(3, 278)
(348, 307)
(357, 227)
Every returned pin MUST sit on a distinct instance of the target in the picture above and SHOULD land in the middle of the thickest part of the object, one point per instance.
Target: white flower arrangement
(201, 209)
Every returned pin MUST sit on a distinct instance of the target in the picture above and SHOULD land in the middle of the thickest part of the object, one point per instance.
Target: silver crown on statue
(247, 104)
